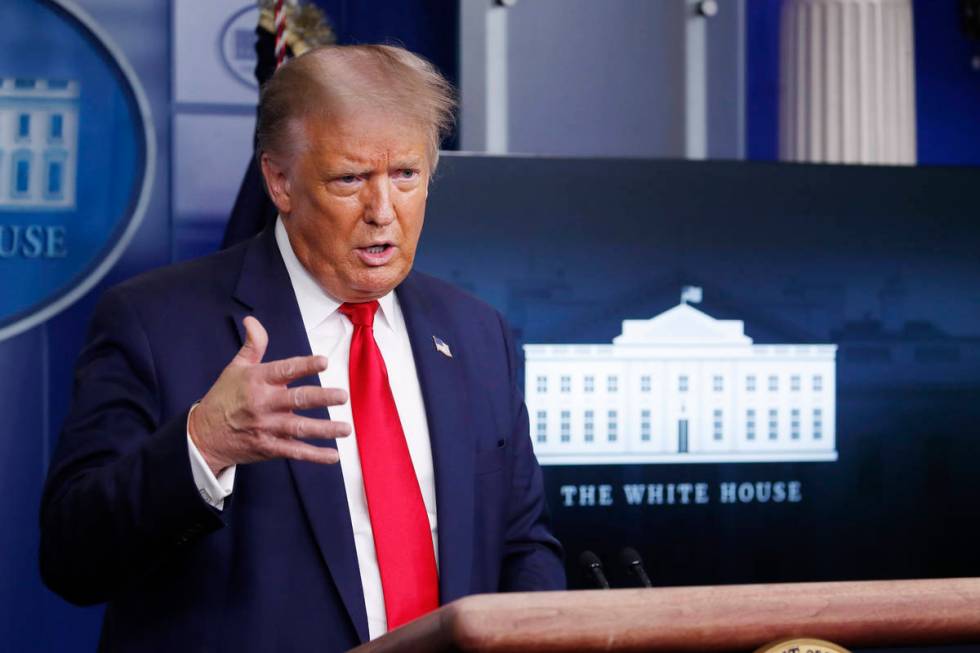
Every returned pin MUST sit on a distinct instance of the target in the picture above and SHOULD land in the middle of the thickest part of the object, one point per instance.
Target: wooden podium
(723, 618)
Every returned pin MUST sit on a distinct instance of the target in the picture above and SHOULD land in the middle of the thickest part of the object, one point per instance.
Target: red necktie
(402, 538)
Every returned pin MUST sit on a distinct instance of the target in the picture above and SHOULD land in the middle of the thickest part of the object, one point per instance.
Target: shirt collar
(315, 304)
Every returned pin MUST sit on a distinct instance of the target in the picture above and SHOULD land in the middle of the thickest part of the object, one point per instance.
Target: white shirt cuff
(213, 489)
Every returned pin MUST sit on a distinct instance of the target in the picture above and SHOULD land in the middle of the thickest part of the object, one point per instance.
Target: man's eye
(347, 179)
(406, 173)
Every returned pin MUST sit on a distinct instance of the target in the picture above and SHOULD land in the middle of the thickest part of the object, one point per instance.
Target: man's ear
(276, 183)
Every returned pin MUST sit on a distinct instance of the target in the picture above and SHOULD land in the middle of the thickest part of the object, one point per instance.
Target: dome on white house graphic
(681, 387)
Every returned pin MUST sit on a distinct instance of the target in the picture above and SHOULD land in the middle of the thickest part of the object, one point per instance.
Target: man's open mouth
(376, 255)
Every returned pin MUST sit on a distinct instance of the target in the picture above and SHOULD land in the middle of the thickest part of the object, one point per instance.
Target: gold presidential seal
(801, 645)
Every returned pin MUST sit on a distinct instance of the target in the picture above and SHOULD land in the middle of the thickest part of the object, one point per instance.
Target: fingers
(256, 340)
(302, 451)
(283, 371)
(288, 426)
(305, 397)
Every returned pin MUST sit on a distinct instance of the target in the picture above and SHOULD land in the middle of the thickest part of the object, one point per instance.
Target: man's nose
(378, 207)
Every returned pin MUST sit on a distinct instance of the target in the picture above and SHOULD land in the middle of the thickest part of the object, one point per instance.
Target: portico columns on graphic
(847, 73)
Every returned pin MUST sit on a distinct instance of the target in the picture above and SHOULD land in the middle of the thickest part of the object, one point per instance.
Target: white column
(483, 53)
(847, 73)
(695, 83)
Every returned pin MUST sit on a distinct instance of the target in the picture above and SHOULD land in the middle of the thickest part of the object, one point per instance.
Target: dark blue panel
(22, 447)
(879, 261)
(762, 80)
(31, 618)
(947, 89)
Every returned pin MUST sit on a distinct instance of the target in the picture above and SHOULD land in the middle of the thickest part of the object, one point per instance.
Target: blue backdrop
(37, 365)
(879, 261)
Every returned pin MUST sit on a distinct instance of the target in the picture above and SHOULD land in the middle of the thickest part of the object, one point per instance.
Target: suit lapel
(444, 394)
(264, 287)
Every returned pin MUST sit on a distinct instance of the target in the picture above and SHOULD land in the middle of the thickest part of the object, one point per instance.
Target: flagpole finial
(691, 295)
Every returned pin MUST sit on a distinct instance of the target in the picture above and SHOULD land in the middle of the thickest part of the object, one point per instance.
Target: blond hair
(332, 79)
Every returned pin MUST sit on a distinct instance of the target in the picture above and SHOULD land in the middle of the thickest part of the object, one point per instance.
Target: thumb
(256, 340)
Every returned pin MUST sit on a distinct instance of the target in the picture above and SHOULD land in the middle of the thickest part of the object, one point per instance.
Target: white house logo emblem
(681, 387)
(76, 159)
(38, 143)
(237, 44)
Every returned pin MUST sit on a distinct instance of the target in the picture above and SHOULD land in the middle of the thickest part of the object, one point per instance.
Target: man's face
(353, 202)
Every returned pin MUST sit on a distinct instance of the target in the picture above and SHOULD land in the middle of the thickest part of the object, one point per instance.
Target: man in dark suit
(199, 487)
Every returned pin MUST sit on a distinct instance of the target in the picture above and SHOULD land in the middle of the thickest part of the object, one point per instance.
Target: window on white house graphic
(645, 383)
(613, 426)
(56, 128)
(20, 170)
(589, 426)
(750, 383)
(542, 385)
(794, 424)
(645, 425)
(590, 384)
(773, 383)
(817, 383)
(717, 426)
(541, 427)
(566, 425)
(773, 424)
(54, 174)
(750, 424)
(23, 126)
(612, 383)
(682, 383)
(794, 383)
(718, 383)
(566, 384)
(817, 423)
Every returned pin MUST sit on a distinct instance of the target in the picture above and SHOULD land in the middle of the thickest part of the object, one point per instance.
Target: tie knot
(361, 313)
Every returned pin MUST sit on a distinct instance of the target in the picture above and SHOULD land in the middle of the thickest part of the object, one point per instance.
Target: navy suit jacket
(276, 570)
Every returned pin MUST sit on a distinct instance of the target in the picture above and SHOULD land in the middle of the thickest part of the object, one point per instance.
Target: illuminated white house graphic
(681, 387)
(38, 143)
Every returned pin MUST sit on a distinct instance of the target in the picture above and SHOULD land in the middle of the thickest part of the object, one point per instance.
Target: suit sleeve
(120, 498)
(533, 557)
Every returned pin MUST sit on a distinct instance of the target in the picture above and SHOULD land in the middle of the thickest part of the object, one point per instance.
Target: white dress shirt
(329, 333)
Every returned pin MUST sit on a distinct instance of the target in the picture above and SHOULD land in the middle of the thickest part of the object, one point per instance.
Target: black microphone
(634, 564)
(593, 566)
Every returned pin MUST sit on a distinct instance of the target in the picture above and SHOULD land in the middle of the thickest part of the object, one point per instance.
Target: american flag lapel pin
(442, 347)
